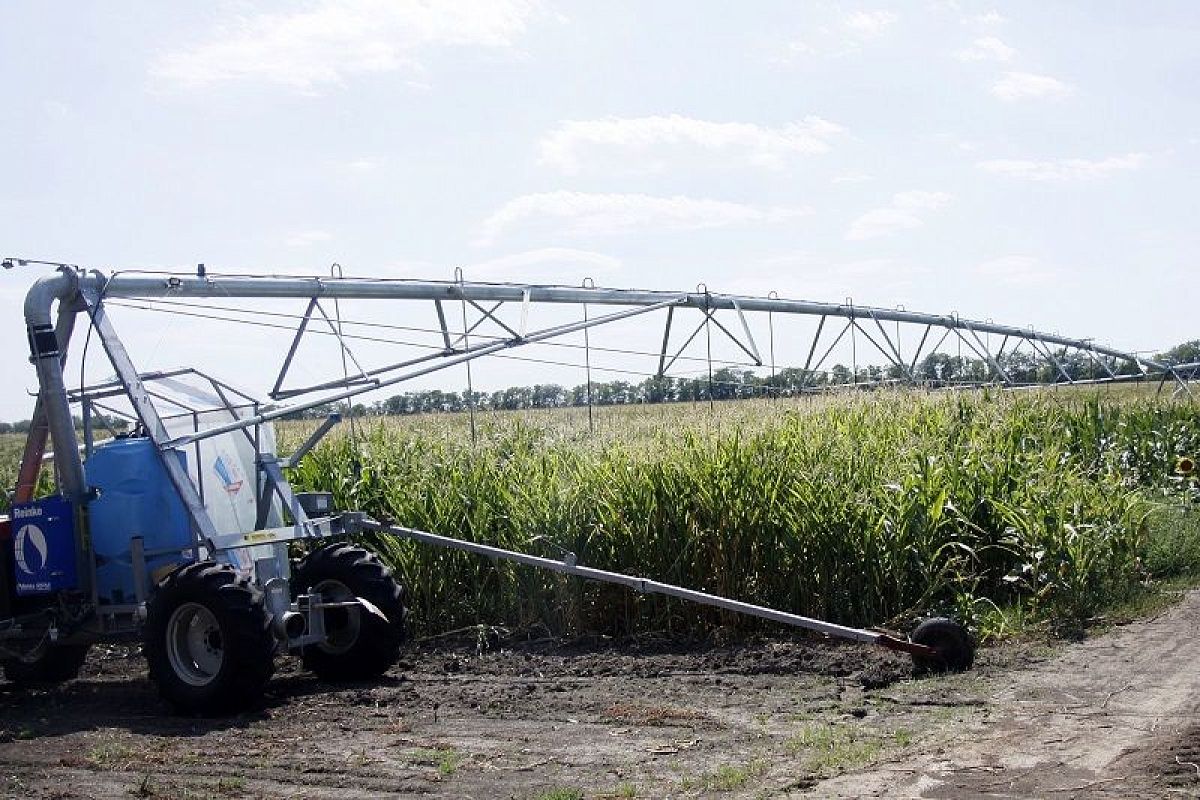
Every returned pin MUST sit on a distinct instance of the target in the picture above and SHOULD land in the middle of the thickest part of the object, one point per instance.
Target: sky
(1031, 163)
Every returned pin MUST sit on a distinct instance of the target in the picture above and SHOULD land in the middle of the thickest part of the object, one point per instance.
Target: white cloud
(852, 177)
(906, 211)
(882, 222)
(1063, 169)
(855, 30)
(920, 201)
(306, 238)
(1021, 85)
(814, 277)
(363, 165)
(569, 145)
(1015, 271)
(335, 39)
(987, 48)
(870, 23)
(992, 17)
(545, 265)
(56, 109)
(590, 214)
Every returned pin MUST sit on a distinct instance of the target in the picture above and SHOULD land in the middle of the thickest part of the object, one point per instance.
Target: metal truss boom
(141, 286)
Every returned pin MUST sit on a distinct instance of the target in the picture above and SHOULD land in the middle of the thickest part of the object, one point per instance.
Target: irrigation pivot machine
(182, 533)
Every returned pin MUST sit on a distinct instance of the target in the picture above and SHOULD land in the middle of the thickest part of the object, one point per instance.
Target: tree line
(98, 420)
(730, 383)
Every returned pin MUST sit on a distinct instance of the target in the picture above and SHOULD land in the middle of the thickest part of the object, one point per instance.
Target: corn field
(864, 510)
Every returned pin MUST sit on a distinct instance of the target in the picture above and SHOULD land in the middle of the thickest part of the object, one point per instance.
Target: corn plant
(861, 510)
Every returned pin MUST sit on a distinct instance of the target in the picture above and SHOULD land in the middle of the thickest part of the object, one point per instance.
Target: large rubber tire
(359, 645)
(953, 643)
(56, 664)
(208, 641)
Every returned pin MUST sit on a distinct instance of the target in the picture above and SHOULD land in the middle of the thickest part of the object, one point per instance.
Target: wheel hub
(343, 624)
(195, 647)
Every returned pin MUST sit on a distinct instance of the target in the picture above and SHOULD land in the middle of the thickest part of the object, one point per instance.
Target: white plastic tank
(223, 467)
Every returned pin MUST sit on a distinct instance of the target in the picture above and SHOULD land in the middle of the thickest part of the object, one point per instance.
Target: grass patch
(1172, 549)
(447, 760)
(727, 777)
(625, 791)
(560, 794)
(112, 756)
(231, 786)
(832, 748)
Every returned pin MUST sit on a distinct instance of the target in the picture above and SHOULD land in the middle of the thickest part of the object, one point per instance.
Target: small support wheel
(953, 643)
(208, 640)
(359, 645)
(52, 665)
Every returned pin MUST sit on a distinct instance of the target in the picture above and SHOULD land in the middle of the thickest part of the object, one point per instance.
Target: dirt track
(1115, 716)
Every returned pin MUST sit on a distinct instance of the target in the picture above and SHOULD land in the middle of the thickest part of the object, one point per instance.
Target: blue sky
(1031, 163)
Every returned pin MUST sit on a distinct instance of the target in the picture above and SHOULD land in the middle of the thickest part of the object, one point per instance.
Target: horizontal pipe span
(190, 286)
(643, 585)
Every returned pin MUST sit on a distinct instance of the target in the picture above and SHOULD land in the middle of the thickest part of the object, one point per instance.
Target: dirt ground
(1115, 716)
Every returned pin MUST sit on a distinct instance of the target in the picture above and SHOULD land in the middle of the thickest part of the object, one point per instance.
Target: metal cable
(417, 329)
(708, 345)
(466, 336)
(587, 360)
(510, 357)
(335, 271)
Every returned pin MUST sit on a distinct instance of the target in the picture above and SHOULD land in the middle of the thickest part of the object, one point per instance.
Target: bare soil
(1115, 716)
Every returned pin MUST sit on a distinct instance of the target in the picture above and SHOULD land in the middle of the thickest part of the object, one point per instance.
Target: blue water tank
(136, 499)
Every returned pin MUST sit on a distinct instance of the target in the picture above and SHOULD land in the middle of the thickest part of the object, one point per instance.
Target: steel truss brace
(892, 356)
(370, 377)
(750, 348)
(277, 391)
(1100, 362)
(986, 354)
(920, 346)
(460, 357)
(1034, 342)
(817, 366)
(894, 347)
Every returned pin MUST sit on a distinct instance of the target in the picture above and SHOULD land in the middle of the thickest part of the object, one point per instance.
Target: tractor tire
(358, 645)
(55, 664)
(953, 643)
(208, 641)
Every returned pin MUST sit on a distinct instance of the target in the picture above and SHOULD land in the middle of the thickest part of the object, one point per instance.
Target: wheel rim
(342, 625)
(195, 646)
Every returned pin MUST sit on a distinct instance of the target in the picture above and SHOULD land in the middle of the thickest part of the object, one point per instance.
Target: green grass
(446, 759)
(560, 794)
(830, 748)
(726, 778)
(112, 755)
(859, 509)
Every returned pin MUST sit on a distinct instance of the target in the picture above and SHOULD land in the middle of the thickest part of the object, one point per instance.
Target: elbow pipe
(45, 353)
(44, 292)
